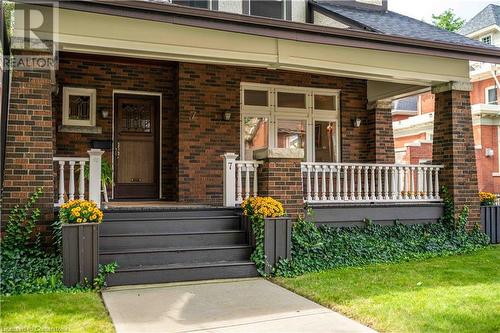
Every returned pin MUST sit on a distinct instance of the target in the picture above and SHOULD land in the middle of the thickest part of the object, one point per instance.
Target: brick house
(413, 116)
(198, 108)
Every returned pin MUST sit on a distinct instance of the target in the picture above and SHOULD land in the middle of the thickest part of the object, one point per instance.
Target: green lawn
(447, 294)
(57, 312)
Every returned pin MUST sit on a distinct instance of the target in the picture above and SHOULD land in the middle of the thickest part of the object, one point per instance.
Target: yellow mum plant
(80, 211)
(487, 198)
(262, 207)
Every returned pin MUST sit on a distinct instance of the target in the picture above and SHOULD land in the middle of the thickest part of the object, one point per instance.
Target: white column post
(95, 156)
(229, 174)
(61, 182)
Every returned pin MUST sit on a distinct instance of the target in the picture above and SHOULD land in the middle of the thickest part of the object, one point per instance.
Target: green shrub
(319, 248)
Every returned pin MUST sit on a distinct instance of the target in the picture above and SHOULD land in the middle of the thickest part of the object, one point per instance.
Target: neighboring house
(413, 128)
(196, 109)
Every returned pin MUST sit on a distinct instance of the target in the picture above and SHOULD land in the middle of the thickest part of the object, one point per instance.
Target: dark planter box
(80, 252)
(277, 239)
(490, 222)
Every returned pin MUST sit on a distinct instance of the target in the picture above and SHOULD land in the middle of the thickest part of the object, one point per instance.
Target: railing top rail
(66, 158)
(374, 165)
(247, 162)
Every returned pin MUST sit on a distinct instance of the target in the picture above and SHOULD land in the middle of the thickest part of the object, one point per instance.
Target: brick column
(453, 145)
(29, 145)
(381, 145)
(280, 177)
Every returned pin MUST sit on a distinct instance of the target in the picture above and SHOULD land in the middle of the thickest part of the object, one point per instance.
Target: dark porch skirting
(348, 215)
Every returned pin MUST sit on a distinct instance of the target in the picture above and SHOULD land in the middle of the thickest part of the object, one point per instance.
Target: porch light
(227, 116)
(105, 113)
(356, 122)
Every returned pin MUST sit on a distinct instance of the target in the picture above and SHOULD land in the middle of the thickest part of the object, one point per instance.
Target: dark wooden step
(171, 240)
(162, 256)
(182, 272)
(170, 225)
(162, 213)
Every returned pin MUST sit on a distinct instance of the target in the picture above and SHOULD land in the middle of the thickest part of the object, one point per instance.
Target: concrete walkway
(244, 305)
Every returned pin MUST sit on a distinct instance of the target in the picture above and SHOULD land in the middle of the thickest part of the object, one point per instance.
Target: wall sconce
(105, 113)
(227, 116)
(356, 122)
(488, 152)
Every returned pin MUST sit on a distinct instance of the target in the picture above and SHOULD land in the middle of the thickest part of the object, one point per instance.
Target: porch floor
(151, 205)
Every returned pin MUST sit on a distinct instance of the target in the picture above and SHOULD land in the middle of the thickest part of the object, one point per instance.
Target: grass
(56, 312)
(446, 294)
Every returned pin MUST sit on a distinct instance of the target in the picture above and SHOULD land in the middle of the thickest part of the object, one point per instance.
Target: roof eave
(266, 27)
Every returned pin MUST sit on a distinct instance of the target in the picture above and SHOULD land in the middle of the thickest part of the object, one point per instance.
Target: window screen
(269, 8)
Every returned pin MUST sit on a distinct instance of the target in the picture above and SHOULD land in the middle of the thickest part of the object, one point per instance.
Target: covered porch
(165, 103)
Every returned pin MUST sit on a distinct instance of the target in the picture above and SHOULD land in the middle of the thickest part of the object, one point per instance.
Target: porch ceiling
(88, 32)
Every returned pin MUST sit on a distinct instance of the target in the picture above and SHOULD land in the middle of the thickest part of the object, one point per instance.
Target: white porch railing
(354, 182)
(71, 164)
(240, 179)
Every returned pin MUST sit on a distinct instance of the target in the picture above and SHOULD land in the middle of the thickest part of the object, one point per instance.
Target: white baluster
(424, 183)
(331, 197)
(419, 183)
(61, 182)
(71, 185)
(359, 169)
(394, 183)
(372, 183)
(436, 184)
(353, 196)
(323, 182)
(81, 179)
(379, 183)
(255, 180)
(309, 197)
(345, 167)
(430, 187)
(400, 182)
(239, 196)
(412, 183)
(386, 183)
(406, 182)
(247, 181)
(316, 184)
(338, 170)
(366, 189)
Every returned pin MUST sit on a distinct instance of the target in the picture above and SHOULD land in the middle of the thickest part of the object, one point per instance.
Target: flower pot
(80, 244)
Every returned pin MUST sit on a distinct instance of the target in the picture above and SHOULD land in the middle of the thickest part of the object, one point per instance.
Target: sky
(423, 9)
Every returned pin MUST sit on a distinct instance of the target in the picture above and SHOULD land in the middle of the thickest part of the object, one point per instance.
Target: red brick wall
(381, 139)
(401, 141)
(106, 74)
(206, 92)
(427, 103)
(28, 160)
(477, 93)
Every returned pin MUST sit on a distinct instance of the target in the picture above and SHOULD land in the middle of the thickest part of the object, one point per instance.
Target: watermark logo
(34, 39)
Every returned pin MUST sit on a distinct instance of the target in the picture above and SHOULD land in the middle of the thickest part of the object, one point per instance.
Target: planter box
(490, 222)
(277, 239)
(80, 252)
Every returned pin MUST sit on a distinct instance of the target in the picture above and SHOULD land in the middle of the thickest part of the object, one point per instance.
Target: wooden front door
(136, 146)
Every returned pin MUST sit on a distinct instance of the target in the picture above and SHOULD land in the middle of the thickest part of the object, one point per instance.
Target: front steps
(168, 245)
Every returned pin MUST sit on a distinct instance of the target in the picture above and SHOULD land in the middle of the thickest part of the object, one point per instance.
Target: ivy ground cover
(459, 293)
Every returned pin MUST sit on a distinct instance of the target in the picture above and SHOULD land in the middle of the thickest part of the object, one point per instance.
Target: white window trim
(486, 36)
(273, 113)
(486, 97)
(67, 91)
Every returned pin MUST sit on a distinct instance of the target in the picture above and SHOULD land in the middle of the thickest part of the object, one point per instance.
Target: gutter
(266, 27)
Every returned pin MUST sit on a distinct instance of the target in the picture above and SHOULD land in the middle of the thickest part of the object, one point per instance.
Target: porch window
(79, 106)
(255, 134)
(290, 117)
(325, 141)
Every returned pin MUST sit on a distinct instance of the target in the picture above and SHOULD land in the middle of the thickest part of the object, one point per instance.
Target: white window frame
(486, 36)
(486, 96)
(67, 91)
(273, 113)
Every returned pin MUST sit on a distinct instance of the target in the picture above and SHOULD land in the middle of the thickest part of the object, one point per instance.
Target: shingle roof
(489, 16)
(392, 23)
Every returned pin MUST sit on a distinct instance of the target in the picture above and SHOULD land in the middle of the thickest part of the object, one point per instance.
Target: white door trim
(135, 92)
